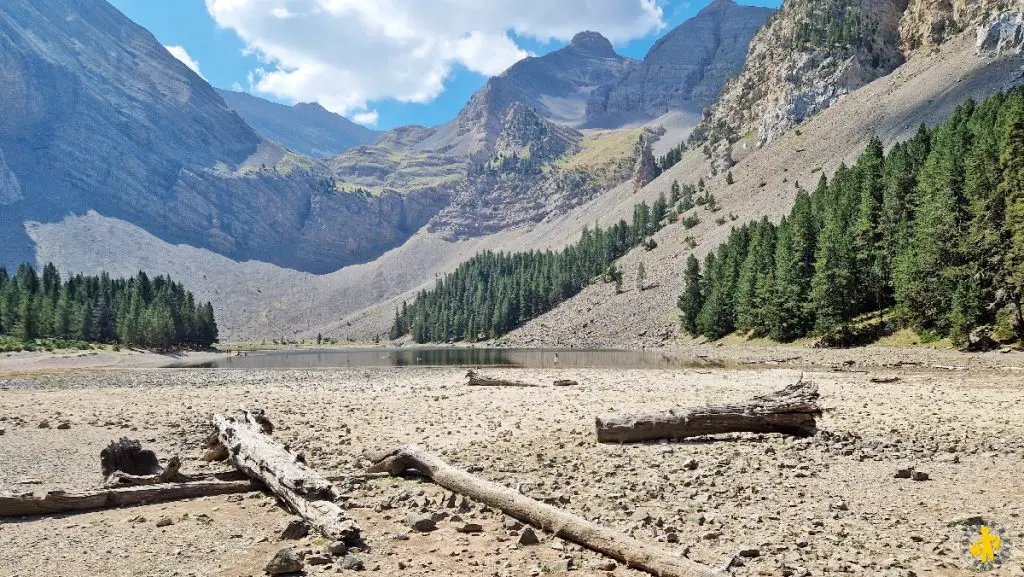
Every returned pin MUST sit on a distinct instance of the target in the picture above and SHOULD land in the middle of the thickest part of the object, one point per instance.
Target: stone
(1002, 34)
(337, 548)
(749, 552)
(318, 559)
(421, 522)
(691, 464)
(3, 431)
(164, 522)
(512, 524)
(920, 476)
(284, 561)
(904, 472)
(470, 528)
(44, 424)
(296, 529)
(528, 537)
(63, 426)
(606, 565)
(349, 563)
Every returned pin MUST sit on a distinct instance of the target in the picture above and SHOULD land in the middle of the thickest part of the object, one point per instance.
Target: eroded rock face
(686, 69)
(928, 23)
(801, 63)
(10, 190)
(1003, 34)
(645, 169)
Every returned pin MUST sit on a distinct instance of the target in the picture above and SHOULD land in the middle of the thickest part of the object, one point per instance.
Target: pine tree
(833, 294)
(641, 277)
(691, 301)
(1011, 160)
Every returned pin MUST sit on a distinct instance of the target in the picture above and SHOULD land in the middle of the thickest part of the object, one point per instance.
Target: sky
(387, 63)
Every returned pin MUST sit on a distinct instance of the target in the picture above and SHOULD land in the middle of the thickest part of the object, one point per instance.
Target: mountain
(306, 128)
(98, 116)
(684, 70)
(810, 54)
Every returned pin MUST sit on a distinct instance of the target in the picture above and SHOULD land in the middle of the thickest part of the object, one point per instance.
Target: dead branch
(476, 380)
(570, 527)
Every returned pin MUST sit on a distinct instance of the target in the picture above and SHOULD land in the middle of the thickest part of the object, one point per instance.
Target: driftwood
(61, 502)
(570, 527)
(791, 411)
(476, 380)
(169, 474)
(566, 383)
(308, 494)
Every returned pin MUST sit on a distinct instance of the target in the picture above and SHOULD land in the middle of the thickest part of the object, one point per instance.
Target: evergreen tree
(641, 277)
(691, 301)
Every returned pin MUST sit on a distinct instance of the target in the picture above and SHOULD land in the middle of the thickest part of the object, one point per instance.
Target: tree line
(137, 311)
(495, 292)
(929, 236)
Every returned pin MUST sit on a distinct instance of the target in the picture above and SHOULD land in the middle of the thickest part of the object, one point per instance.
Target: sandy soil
(823, 506)
(23, 363)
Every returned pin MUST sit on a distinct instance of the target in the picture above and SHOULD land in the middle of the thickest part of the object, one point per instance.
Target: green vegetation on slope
(493, 293)
(137, 311)
(933, 231)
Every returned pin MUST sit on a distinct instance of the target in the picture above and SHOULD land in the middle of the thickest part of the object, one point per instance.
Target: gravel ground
(828, 505)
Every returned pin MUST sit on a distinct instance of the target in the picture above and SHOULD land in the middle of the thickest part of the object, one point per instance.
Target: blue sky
(225, 61)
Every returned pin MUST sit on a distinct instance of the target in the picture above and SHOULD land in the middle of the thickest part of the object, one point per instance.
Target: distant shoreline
(59, 362)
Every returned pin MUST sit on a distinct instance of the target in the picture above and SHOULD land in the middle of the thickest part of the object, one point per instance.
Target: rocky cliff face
(306, 128)
(98, 116)
(685, 70)
(1002, 34)
(928, 23)
(809, 55)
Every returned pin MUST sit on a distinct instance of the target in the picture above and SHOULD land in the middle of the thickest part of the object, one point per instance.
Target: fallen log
(61, 502)
(619, 546)
(791, 411)
(476, 380)
(169, 474)
(308, 494)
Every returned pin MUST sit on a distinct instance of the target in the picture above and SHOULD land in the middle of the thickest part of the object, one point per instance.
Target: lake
(456, 357)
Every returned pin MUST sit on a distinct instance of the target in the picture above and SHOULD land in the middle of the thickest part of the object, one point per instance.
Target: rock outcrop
(928, 23)
(808, 56)
(685, 69)
(645, 169)
(306, 128)
(10, 190)
(1002, 34)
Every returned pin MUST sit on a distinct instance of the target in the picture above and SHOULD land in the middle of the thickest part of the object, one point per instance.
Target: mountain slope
(306, 128)
(99, 116)
(925, 89)
(685, 69)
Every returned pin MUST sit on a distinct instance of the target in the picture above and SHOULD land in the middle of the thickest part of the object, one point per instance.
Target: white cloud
(346, 53)
(366, 118)
(180, 53)
(237, 87)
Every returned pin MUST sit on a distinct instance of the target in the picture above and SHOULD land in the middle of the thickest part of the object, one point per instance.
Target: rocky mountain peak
(525, 132)
(593, 43)
(718, 6)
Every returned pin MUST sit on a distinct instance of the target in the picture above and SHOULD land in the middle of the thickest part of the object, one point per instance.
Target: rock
(920, 476)
(318, 559)
(606, 565)
(512, 524)
(44, 424)
(646, 168)
(164, 522)
(528, 537)
(561, 566)
(296, 529)
(337, 548)
(3, 431)
(284, 561)
(749, 552)
(904, 472)
(1002, 34)
(63, 426)
(470, 528)
(349, 563)
(691, 464)
(421, 522)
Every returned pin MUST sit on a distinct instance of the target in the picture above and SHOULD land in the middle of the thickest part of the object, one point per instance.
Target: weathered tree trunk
(476, 380)
(170, 474)
(61, 502)
(571, 527)
(305, 491)
(791, 411)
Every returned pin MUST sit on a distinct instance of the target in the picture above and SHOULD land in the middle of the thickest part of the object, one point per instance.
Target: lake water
(455, 357)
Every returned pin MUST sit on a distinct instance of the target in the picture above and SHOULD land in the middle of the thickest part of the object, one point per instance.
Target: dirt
(827, 505)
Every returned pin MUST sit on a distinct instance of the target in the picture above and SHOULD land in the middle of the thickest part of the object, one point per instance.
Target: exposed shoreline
(58, 362)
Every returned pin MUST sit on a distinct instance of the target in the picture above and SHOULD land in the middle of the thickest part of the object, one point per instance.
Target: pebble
(691, 464)
(528, 537)
(349, 563)
(318, 559)
(920, 476)
(284, 561)
(422, 523)
(470, 528)
(63, 426)
(164, 522)
(44, 424)
(749, 552)
(337, 548)
(296, 529)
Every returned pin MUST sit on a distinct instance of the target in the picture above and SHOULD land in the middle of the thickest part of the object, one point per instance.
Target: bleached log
(791, 411)
(476, 380)
(307, 493)
(619, 546)
(62, 502)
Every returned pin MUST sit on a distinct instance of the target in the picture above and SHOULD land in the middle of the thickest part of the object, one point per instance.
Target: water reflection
(456, 357)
